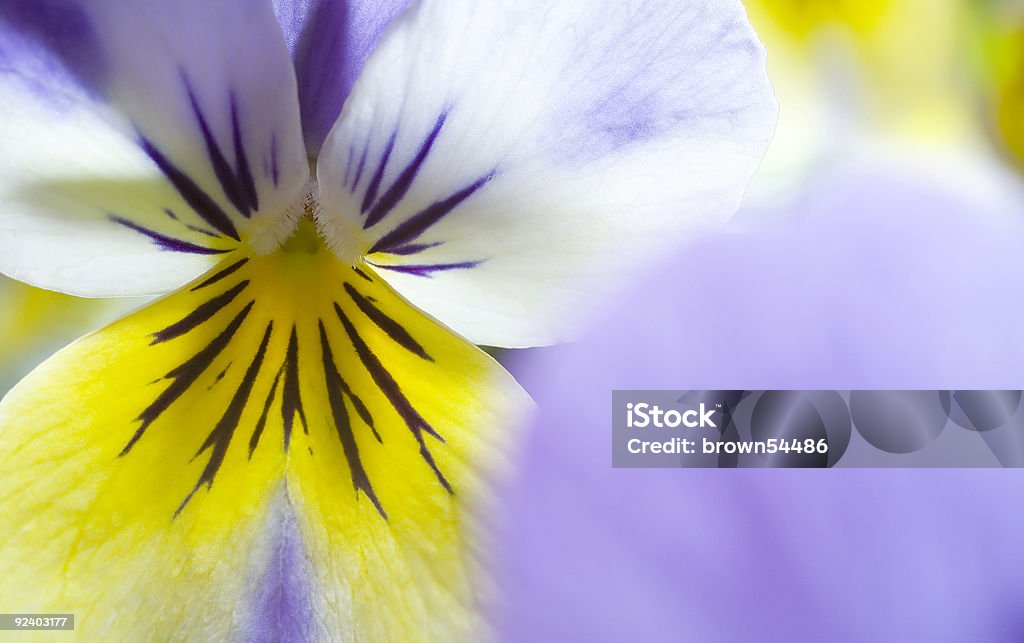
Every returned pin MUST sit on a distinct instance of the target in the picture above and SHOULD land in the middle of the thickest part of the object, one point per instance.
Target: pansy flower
(341, 199)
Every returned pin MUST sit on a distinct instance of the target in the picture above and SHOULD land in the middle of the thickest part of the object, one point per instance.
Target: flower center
(306, 238)
(293, 230)
(303, 227)
(297, 346)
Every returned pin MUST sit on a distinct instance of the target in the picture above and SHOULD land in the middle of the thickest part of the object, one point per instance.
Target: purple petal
(329, 41)
(870, 284)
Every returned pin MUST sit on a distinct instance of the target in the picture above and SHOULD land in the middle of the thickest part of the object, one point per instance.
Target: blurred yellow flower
(1000, 38)
(907, 56)
(855, 75)
(34, 322)
(801, 18)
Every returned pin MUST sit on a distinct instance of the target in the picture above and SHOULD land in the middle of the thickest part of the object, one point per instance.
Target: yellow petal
(144, 466)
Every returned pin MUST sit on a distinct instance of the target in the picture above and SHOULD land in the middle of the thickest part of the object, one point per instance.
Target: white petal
(140, 139)
(504, 159)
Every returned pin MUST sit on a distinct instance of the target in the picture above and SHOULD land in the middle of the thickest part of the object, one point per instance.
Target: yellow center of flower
(297, 350)
(305, 239)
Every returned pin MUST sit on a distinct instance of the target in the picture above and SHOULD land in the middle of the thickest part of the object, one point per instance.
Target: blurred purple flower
(872, 282)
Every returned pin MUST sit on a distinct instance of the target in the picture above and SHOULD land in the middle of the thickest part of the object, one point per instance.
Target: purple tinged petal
(609, 112)
(60, 29)
(618, 105)
(869, 285)
(281, 607)
(329, 41)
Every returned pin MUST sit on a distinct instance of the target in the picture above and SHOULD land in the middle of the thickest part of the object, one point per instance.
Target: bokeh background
(890, 111)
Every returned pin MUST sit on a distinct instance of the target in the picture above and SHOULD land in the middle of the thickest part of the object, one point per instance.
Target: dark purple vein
(222, 274)
(371, 189)
(197, 199)
(165, 242)
(393, 392)
(185, 375)
(343, 424)
(404, 181)
(220, 437)
(413, 227)
(391, 328)
(201, 314)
